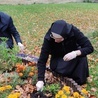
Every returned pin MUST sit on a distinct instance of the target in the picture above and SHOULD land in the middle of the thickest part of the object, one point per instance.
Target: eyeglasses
(51, 35)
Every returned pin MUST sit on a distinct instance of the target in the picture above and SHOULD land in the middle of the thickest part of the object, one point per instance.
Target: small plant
(95, 34)
(25, 71)
(8, 57)
(94, 40)
(15, 80)
(66, 92)
(34, 79)
(52, 88)
(88, 1)
(4, 94)
(12, 79)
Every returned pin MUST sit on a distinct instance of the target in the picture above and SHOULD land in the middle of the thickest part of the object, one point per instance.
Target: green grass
(33, 21)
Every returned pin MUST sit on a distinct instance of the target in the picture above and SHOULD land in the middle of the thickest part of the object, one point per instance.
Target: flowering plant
(6, 87)
(66, 92)
(27, 70)
(14, 95)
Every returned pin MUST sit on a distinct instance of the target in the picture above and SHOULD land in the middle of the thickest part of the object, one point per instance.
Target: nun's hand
(70, 56)
(21, 46)
(39, 85)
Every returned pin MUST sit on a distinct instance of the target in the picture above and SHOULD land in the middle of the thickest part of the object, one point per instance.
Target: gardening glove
(21, 47)
(70, 56)
(39, 85)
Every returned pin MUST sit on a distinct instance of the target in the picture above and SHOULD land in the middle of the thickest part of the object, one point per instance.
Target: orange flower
(31, 74)
(18, 64)
(20, 74)
(33, 68)
(17, 70)
(33, 63)
(21, 67)
(96, 60)
(30, 64)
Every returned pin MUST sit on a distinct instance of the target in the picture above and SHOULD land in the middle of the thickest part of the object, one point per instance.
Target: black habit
(74, 39)
(8, 30)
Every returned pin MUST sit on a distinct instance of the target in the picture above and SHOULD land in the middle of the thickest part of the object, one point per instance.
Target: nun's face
(57, 38)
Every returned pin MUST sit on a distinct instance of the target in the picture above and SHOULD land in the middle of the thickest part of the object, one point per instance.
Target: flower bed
(18, 77)
(75, 91)
(21, 82)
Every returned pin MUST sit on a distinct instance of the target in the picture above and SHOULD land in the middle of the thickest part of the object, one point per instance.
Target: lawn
(33, 21)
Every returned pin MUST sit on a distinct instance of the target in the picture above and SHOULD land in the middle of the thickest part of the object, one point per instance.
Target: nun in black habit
(9, 31)
(68, 48)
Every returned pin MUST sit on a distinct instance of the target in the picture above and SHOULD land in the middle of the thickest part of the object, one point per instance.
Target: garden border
(64, 80)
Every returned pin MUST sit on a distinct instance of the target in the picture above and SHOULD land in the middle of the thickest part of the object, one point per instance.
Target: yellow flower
(66, 88)
(84, 91)
(57, 96)
(76, 95)
(18, 94)
(60, 92)
(81, 97)
(8, 87)
(70, 97)
(2, 88)
(63, 96)
(14, 95)
(68, 92)
(5, 88)
(10, 96)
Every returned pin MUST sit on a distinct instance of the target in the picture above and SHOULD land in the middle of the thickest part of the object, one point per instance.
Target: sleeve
(43, 59)
(83, 42)
(13, 31)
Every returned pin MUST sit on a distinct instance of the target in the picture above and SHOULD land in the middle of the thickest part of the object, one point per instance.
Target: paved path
(35, 1)
(38, 1)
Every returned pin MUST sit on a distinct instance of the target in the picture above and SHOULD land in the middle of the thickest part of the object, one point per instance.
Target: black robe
(74, 39)
(8, 30)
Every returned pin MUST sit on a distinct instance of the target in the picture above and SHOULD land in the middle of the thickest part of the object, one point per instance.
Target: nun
(68, 48)
(9, 31)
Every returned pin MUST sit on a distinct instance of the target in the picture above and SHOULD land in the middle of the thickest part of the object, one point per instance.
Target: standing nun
(68, 48)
